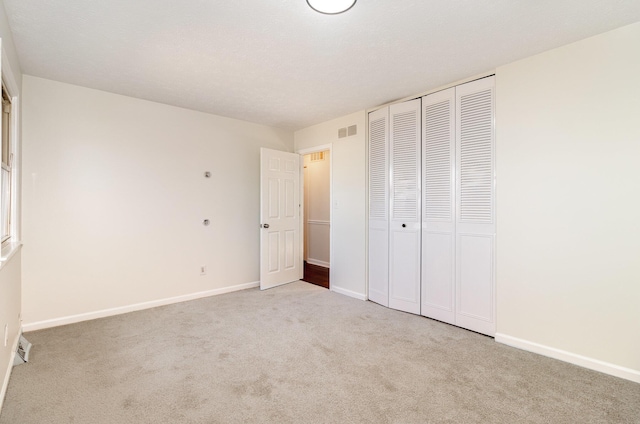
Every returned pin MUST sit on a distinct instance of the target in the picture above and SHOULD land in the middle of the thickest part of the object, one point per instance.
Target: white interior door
(476, 217)
(405, 222)
(438, 207)
(280, 245)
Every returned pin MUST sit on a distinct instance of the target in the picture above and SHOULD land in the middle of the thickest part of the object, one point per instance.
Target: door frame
(306, 151)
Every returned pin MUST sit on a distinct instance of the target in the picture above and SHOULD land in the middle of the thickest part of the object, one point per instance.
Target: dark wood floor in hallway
(317, 275)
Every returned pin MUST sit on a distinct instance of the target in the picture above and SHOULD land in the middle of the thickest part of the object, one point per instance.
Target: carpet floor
(297, 354)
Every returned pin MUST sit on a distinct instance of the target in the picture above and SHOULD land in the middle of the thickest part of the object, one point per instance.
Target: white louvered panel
(476, 161)
(378, 169)
(438, 223)
(378, 252)
(437, 161)
(405, 222)
(475, 226)
(405, 156)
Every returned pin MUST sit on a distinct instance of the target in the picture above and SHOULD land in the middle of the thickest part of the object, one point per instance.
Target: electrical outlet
(203, 270)
(6, 335)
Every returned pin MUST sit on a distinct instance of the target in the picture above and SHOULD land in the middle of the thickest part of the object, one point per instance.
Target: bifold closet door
(379, 206)
(404, 223)
(475, 211)
(438, 206)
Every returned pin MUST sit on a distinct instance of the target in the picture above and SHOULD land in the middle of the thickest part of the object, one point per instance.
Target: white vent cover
(348, 131)
(22, 354)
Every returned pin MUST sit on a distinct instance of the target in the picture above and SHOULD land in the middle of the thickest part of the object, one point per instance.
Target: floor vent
(22, 354)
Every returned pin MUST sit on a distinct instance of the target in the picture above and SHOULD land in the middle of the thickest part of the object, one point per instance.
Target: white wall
(114, 197)
(10, 270)
(8, 48)
(568, 202)
(348, 245)
(317, 210)
(9, 314)
(568, 145)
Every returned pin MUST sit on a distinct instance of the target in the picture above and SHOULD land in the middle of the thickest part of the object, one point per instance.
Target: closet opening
(432, 220)
(316, 222)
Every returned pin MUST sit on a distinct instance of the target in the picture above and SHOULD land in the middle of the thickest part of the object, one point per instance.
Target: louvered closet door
(379, 206)
(475, 215)
(404, 225)
(438, 205)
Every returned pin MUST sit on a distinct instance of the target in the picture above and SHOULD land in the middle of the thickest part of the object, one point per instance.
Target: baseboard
(39, 325)
(318, 263)
(7, 374)
(346, 292)
(572, 358)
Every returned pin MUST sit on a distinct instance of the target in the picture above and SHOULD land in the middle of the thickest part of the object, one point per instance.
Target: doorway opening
(316, 225)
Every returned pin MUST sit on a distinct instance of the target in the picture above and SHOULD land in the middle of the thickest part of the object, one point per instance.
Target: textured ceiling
(277, 62)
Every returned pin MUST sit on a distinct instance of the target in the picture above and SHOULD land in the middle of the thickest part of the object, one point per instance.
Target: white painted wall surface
(10, 316)
(348, 214)
(115, 197)
(317, 210)
(8, 48)
(10, 270)
(568, 201)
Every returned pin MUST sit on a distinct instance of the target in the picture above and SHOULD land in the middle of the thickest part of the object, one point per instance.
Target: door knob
(265, 225)
(404, 225)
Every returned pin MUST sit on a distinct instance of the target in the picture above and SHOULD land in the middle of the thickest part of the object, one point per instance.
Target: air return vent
(348, 131)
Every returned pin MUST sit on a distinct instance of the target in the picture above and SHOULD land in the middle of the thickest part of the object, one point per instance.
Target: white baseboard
(55, 322)
(318, 263)
(572, 358)
(7, 374)
(346, 292)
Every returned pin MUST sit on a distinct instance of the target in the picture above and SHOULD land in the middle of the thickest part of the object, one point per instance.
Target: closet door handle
(404, 225)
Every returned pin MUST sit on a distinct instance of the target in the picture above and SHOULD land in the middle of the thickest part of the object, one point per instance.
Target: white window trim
(12, 246)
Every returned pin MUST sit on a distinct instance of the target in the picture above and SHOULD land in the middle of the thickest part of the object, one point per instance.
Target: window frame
(6, 163)
(10, 245)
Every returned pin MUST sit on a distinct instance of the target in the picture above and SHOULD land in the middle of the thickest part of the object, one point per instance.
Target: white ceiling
(277, 62)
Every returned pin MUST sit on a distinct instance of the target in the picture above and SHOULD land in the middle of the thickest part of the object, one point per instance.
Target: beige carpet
(297, 354)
